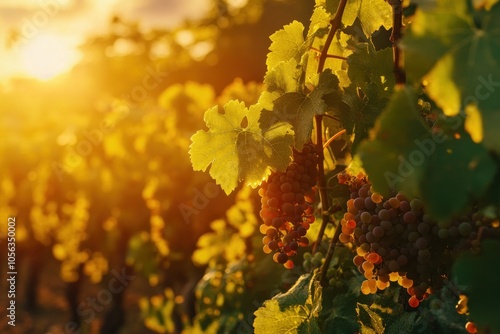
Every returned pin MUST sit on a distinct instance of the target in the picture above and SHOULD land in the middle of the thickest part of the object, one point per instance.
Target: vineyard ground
(53, 312)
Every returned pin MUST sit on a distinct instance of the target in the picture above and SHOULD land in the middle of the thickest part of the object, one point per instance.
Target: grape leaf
(297, 295)
(320, 20)
(142, 253)
(385, 315)
(287, 43)
(299, 109)
(237, 149)
(403, 322)
(219, 301)
(281, 79)
(486, 3)
(368, 94)
(330, 6)
(455, 159)
(358, 110)
(339, 46)
(363, 73)
(490, 121)
(405, 155)
(456, 51)
(372, 13)
(295, 319)
(220, 244)
(370, 321)
(241, 216)
(492, 195)
(295, 311)
(479, 274)
(158, 311)
(339, 309)
(385, 157)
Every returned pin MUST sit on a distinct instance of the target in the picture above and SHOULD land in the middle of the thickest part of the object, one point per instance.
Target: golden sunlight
(47, 56)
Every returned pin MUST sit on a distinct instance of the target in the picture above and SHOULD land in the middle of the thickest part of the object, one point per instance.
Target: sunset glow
(47, 56)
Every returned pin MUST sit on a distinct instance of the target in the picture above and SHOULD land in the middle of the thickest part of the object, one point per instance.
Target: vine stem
(335, 24)
(325, 215)
(397, 56)
(329, 255)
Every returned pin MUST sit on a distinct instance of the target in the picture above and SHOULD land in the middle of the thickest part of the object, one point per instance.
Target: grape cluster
(395, 241)
(312, 262)
(286, 211)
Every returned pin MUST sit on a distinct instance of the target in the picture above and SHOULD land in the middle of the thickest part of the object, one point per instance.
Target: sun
(46, 56)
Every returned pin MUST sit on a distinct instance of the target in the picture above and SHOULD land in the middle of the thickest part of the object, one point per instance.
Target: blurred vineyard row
(95, 166)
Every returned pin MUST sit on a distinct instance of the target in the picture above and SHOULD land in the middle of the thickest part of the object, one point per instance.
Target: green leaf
(143, 254)
(299, 109)
(368, 94)
(361, 113)
(338, 47)
(455, 159)
(320, 21)
(339, 310)
(405, 155)
(372, 14)
(488, 3)
(386, 315)
(457, 52)
(404, 322)
(371, 322)
(490, 121)
(295, 311)
(385, 158)
(492, 195)
(221, 244)
(297, 294)
(479, 275)
(287, 43)
(363, 73)
(157, 315)
(281, 79)
(295, 319)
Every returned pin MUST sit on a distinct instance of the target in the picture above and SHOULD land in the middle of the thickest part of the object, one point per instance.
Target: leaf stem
(328, 55)
(332, 138)
(335, 23)
(336, 57)
(397, 56)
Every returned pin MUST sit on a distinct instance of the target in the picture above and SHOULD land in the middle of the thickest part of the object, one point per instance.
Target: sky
(50, 30)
